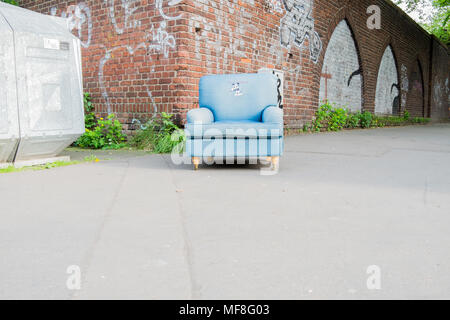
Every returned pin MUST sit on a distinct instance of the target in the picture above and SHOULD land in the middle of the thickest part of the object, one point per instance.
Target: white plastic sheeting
(41, 101)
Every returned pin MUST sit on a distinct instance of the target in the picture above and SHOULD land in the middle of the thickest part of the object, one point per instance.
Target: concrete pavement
(139, 226)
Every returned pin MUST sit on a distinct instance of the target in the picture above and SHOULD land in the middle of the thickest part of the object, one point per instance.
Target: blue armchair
(238, 117)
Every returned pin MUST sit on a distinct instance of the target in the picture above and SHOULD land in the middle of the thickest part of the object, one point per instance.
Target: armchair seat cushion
(235, 129)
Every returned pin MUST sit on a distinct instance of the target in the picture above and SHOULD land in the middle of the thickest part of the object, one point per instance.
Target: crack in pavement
(378, 155)
(87, 261)
(425, 192)
(195, 288)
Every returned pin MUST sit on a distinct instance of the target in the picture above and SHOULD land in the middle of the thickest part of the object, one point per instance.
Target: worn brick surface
(141, 57)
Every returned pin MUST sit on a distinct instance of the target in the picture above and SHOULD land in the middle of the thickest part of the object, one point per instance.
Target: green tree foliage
(439, 21)
(14, 2)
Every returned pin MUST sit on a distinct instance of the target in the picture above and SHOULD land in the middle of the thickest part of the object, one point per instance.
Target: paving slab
(140, 227)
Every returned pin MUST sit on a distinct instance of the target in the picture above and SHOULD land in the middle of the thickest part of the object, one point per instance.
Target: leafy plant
(160, 135)
(378, 122)
(366, 119)
(353, 120)
(321, 117)
(90, 120)
(337, 119)
(331, 118)
(100, 133)
(440, 24)
(306, 127)
(406, 115)
(420, 120)
(107, 134)
(14, 2)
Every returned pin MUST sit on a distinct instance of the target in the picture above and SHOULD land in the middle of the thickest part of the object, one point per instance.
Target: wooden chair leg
(195, 162)
(275, 162)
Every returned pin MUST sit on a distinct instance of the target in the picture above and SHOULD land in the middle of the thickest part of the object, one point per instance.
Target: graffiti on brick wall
(221, 39)
(447, 89)
(274, 48)
(415, 102)
(404, 84)
(162, 41)
(219, 43)
(79, 19)
(295, 75)
(387, 96)
(404, 78)
(104, 60)
(440, 94)
(221, 48)
(341, 78)
(293, 78)
(156, 40)
(123, 17)
(417, 85)
(298, 24)
(122, 14)
(159, 5)
(273, 5)
(128, 7)
(437, 94)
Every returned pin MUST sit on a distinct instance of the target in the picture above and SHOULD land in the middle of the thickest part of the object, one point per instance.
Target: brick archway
(342, 94)
(416, 94)
(386, 81)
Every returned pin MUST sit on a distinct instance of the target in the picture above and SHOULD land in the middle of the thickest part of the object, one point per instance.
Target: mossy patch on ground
(56, 164)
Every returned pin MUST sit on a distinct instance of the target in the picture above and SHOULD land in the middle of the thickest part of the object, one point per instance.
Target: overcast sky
(425, 10)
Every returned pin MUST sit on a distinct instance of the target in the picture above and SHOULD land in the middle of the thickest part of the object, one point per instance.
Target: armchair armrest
(273, 114)
(200, 116)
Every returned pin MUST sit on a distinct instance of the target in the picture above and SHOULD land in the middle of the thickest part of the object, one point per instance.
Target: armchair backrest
(235, 97)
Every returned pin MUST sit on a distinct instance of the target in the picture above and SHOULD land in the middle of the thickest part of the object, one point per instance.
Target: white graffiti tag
(438, 94)
(162, 40)
(129, 8)
(274, 5)
(108, 56)
(78, 15)
(447, 89)
(159, 5)
(298, 24)
(221, 38)
(154, 41)
(404, 84)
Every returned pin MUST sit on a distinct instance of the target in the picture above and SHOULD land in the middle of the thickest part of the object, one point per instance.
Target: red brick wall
(129, 53)
(439, 87)
(151, 61)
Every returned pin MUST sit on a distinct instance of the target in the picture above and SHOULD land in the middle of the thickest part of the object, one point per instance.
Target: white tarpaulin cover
(41, 101)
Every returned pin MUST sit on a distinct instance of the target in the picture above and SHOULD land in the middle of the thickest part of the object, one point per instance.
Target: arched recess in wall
(387, 96)
(341, 77)
(416, 100)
